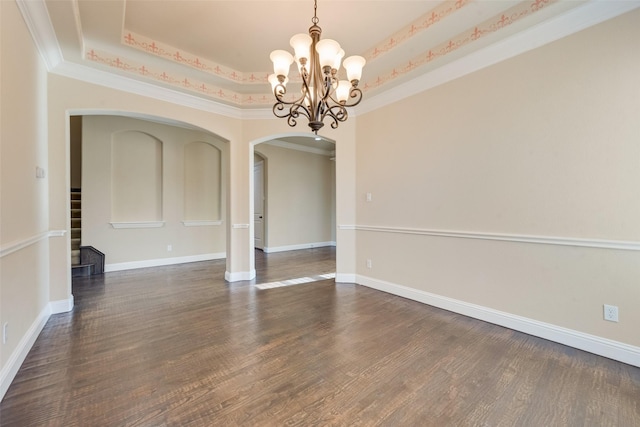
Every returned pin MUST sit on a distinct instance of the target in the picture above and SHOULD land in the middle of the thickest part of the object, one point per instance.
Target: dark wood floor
(179, 346)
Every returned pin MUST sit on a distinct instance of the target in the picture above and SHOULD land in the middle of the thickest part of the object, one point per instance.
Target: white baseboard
(61, 306)
(162, 261)
(601, 346)
(239, 276)
(297, 247)
(345, 278)
(10, 369)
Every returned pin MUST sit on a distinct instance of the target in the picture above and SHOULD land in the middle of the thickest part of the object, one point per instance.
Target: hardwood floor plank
(178, 346)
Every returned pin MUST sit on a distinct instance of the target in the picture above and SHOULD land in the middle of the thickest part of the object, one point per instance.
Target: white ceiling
(219, 51)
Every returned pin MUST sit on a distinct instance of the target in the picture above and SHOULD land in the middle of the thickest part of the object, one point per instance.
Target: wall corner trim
(10, 369)
(345, 278)
(61, 306)
(593, 344)
(269, 250)
(239, 276)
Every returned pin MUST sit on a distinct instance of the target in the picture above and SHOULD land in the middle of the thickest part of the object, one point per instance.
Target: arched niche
(136, 177)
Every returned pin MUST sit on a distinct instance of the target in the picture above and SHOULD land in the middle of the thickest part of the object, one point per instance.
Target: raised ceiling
(219, 50)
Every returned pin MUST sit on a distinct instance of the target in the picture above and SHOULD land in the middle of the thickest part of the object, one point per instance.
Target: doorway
(259, 198)
(292, 194)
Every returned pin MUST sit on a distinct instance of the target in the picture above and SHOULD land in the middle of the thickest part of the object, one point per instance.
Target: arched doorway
(189, 180)
(300, 190)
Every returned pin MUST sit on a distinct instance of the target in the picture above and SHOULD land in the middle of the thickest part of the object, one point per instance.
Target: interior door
(258, 205)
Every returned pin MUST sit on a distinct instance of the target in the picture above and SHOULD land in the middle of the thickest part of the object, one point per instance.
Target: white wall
(162, 197)
(544, 144)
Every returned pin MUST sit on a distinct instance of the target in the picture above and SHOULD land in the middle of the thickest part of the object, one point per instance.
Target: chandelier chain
(315, 19)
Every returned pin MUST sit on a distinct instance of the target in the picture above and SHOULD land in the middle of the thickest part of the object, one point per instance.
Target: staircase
(76, 225)
(85, 260)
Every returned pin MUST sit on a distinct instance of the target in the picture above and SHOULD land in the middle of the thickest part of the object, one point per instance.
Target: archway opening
(169, 206)
(299, 195)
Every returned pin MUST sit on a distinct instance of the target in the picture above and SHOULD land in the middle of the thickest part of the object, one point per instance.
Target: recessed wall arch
(220, 145)
(139, 199)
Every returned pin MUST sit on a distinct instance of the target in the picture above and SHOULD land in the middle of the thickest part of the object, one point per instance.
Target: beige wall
(256, 132)
(73, 97)
(299, 188)
(24, 291)
(100, 195)
(544, 144)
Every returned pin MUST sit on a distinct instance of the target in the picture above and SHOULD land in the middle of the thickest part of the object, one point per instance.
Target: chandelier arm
(306, 93)
(293, 112)
(279, 92)
(323, 104)
(355, 94)
(337, 113)
(296, 108)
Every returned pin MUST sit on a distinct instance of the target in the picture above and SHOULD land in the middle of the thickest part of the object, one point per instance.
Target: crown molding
(126, 84)
(258, 114)
(592, 13)
(36, 16)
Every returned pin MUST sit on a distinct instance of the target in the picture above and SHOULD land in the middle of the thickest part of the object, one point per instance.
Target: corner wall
(503, 194)
(25, 232)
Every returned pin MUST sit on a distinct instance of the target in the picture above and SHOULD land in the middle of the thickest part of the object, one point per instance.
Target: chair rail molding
(521, 238)
(23, 243)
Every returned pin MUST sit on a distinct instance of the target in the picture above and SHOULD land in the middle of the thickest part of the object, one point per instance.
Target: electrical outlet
(5, 332)
(369, 263)
(368, 197)
(169, 248)
(611, 313)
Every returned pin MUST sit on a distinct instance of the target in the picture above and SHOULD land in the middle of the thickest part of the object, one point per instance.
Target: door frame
(263, 164)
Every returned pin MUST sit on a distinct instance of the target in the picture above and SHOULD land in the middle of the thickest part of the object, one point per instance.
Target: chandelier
(323, 94)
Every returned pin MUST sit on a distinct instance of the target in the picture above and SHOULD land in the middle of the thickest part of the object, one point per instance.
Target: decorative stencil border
(430, 18)
(179, 81)
(490, 26)
(165, 51)
(209, 90)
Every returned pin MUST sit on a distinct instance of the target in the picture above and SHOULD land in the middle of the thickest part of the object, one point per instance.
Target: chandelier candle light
(323, 94)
